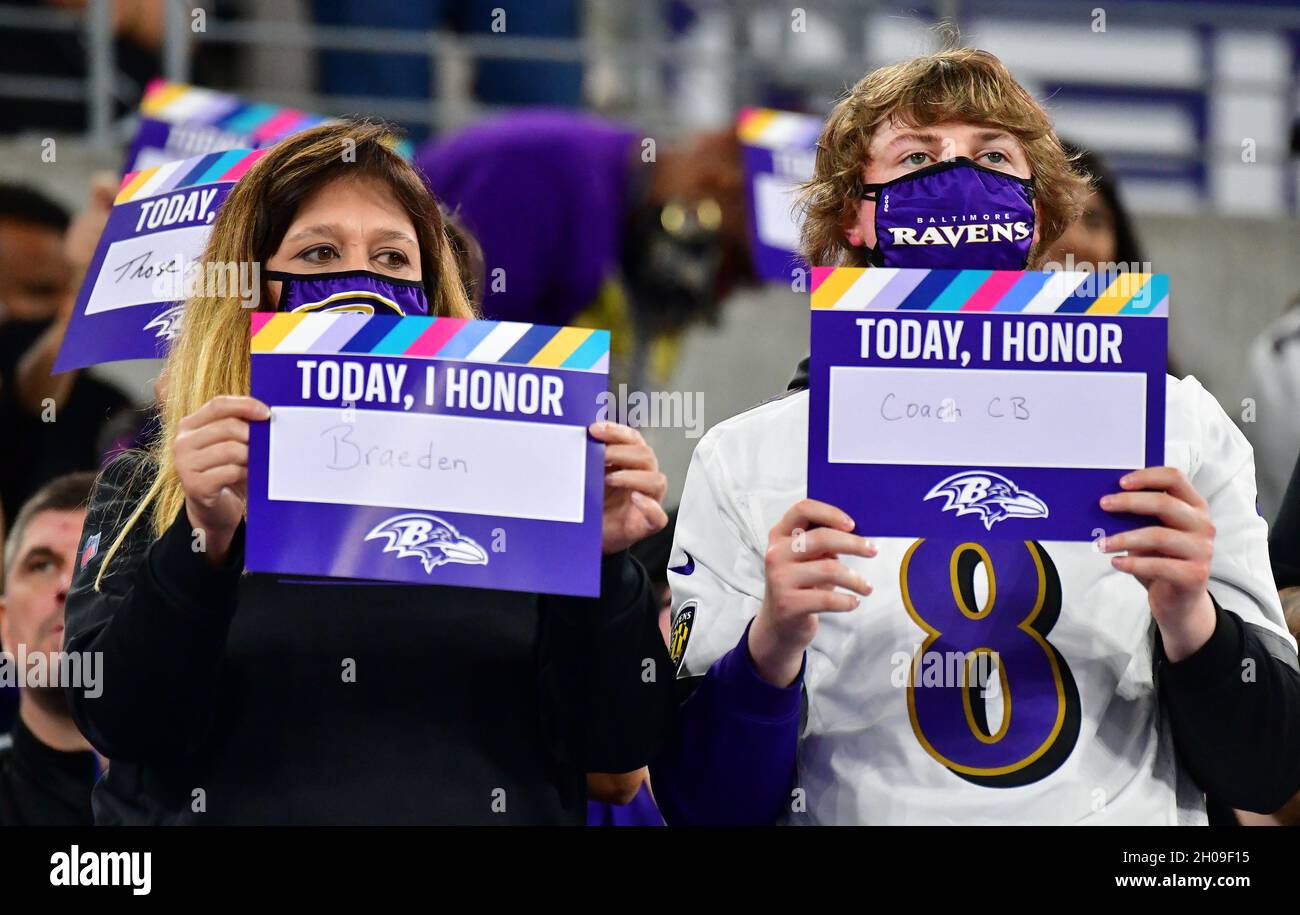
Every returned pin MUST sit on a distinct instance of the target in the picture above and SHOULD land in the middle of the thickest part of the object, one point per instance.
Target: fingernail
(1126, 479)
(1106, 501)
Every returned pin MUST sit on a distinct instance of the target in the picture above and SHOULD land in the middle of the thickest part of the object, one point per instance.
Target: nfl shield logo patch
(90, 550)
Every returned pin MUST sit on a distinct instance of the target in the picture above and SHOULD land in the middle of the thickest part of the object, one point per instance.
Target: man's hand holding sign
(1171, 559)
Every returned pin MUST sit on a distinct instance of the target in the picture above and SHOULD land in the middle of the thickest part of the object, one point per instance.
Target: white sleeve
(716, 571)
(1241, 579)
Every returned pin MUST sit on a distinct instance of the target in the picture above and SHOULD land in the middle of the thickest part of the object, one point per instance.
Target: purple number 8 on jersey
(999, 650)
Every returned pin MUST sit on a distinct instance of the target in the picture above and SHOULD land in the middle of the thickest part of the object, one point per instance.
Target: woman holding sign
(844, 678)
(232, 698)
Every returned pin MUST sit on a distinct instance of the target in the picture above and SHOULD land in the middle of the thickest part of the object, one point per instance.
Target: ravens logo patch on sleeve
(681, 632)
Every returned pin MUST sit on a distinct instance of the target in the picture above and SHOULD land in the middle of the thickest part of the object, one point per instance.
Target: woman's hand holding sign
(1171, 560)
(210, 453)
(634, 487)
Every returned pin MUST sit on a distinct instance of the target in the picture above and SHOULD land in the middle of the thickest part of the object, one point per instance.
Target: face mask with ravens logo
(349, 292)
(953, 215)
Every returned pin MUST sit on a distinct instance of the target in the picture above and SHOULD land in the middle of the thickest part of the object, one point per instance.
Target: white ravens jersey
(1070, 732)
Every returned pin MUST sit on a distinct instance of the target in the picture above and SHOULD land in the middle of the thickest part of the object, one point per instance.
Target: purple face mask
(350, 291)
(953, 215)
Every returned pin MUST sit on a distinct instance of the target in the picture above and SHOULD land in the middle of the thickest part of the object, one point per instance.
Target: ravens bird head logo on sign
(428, 538)
(989, 495)
(168, 324)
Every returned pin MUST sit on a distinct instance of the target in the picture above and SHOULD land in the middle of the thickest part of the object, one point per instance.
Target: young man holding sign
(255, 698)
(949, 671)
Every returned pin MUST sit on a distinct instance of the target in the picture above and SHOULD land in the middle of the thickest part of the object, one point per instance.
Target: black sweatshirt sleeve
(606, 679)
(1234, 707)
(159, 621)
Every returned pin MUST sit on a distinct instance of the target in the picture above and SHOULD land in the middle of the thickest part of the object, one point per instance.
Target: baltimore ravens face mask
(953, 215)
(350, 291)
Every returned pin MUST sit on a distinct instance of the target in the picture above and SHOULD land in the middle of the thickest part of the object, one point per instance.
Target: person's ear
(859, 225)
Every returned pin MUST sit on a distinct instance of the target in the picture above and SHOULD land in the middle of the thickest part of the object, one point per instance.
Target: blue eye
(916, 158)
(996, 158)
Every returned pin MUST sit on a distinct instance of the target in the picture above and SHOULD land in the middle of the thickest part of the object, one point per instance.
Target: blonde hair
(210, 355)
(963, 84)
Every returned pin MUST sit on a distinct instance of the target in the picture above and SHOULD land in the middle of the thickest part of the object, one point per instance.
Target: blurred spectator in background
(48, 769)
(139, 32)
(498, 81)
(52, 424)
(44, 53)
(8, 695)
(1102, 238)
(1273, 369)
(33, 268)
(585, 221)
(1273, 383)
(1103, 234)
(1284, 551)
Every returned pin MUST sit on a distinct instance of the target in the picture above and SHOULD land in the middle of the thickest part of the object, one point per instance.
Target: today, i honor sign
(427, 451)
(984, 403)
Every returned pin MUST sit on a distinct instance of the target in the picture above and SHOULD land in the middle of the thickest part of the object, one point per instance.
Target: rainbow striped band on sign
(172, 176)
(247, 123)
(178, 103)
(502, 342)
(774, 129)
(1074, 292)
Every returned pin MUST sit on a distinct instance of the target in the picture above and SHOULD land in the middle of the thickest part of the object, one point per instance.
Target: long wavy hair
(961, 84)
(210, 357)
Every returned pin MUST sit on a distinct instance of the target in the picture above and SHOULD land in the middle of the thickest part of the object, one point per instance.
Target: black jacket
(42, 786)
(237, 698)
